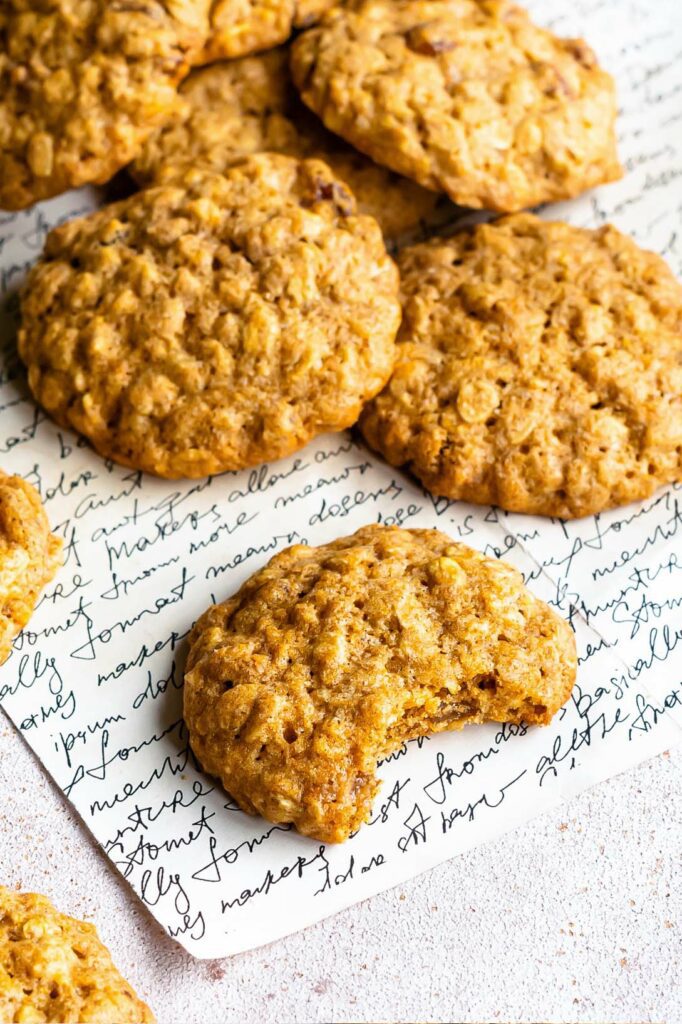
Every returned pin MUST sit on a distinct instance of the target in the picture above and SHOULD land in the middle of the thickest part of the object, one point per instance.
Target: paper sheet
(94, 683)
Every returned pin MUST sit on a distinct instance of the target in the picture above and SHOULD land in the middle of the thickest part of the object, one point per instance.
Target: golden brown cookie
(539, 368)
(241, 27)
(54, 968)
(467, 96)
(213, 324)
(29, 556)
(329, 658)
(235, 108)
(82, 83)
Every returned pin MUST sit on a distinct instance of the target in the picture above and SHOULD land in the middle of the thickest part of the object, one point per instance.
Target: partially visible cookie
(54, 968)
(241, 27)
(213, 324)
(235, 108)
(466, 96)
(29, 556)
(310, 11)
(329, 658)
(539, 368)
(82, 83)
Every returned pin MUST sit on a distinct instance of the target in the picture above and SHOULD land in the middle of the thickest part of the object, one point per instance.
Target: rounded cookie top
(235, 108)
(467, 96)
(29, 556)
(213, 324)
(54, 968)
(241, 27)
(329, 658)
(82, 82)
(539, 368)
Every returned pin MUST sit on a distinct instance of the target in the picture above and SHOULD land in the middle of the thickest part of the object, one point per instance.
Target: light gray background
(575, 917)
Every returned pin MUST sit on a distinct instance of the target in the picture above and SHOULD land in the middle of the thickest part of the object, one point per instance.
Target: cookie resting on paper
(539, 368)
(329, 658)
(241, 27)
(54, 968)
(465, 96)
(82, 83)
(235, 108)
(29, 556)
(213, 324)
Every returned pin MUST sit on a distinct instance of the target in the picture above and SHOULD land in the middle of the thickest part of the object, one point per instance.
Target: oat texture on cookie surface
(82, 83)
(233, 109)
(465, 96)
(29, 556)
(215, 323)
(241, 27)
(331, 657)
(54, 968)
(539, 368)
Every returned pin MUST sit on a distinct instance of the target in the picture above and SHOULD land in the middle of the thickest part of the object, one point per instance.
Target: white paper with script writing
(94, 683)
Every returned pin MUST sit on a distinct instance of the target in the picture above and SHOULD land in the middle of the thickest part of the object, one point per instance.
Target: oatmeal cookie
(539, 368)
(329, 658)
(467, 96)
(29, 556)
(54, 968)
(235, 108)
(82, 83)
(241, 27)
(215, 323)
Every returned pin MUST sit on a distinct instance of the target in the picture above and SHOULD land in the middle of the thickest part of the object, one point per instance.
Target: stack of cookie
(244, 301)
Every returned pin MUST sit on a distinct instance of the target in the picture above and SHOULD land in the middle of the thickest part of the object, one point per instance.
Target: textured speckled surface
(575, 917)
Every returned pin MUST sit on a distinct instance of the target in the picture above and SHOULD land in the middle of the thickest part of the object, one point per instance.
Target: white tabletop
(575, 917)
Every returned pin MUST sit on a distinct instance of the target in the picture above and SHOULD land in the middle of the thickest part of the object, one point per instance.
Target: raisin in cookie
(467, 96)
(329, 658)
(82, 82)
(539, 368)
(235, 108)
(241, 27)
(54, 968)
(29, 556)
(213, 324)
